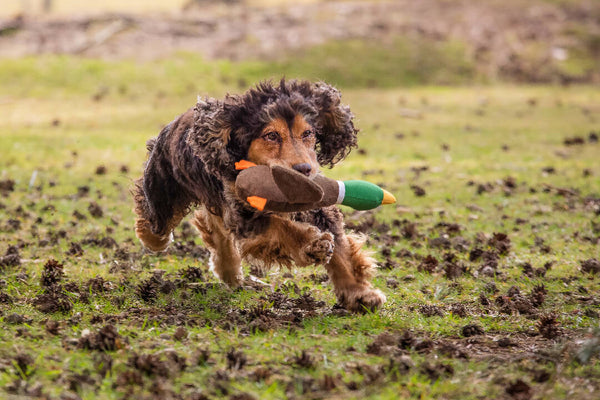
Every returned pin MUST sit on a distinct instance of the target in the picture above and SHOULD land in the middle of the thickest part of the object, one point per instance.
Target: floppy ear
(336, 134)
(211, 137)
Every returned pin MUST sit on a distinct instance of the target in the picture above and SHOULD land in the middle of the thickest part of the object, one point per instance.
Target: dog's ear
(336, 134)
(211, 137)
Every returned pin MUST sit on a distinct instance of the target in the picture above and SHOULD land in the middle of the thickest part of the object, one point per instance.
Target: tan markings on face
(280, 145)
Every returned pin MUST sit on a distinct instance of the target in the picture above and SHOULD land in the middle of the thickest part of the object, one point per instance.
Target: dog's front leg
(287, 241)
(350, 269)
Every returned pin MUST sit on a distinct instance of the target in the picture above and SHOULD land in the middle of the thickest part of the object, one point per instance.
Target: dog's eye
(272, 136)
(307, 134)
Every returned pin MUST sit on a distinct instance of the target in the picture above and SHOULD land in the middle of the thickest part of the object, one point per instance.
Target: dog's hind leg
(225, 260)
(151, 241)
(143, 228)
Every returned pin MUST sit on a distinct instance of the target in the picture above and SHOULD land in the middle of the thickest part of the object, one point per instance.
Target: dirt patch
(95, 210)
(236, 360)
(106, 242)
(549, 327)
(500, 242)
(304, 360)
(150, 288)
(487, 347)
(53, 300)
(11, 258)
(429, 310)
(52, 327)
(418, 190)
(105, 339)
(471, 330)
(6, 186)
(590, 266)
(150, 364)
(519, 390)
(437, 370)
(275, 311)
(52, 273)
(428, 264)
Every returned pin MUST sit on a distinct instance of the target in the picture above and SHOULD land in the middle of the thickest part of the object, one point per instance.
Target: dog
(191, 166)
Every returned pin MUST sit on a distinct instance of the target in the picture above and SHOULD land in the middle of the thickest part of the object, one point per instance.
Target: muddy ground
(135, 364)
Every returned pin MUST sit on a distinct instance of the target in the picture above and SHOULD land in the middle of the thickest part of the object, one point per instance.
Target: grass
(64, 117)
(400, 62)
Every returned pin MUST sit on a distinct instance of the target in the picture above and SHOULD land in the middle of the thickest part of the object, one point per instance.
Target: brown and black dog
(295, 124)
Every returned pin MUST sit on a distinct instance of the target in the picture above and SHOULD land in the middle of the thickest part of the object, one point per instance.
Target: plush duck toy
(285, 190)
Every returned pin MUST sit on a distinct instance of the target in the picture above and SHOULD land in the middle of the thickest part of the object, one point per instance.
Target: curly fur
(191, 164)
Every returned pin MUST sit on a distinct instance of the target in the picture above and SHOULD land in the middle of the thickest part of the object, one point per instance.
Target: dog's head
(295, 124)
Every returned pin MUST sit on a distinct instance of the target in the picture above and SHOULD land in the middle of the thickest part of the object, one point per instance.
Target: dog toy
(285, 190)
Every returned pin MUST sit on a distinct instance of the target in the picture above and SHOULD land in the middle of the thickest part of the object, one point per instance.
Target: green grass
(352, 63)
(63, 117)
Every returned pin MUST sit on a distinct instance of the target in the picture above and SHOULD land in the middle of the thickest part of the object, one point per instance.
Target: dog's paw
(361, 299)
(228, 273)
(320, 250)
(156, 244)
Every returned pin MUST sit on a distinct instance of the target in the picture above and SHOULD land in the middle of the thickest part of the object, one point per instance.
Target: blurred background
(348, 43)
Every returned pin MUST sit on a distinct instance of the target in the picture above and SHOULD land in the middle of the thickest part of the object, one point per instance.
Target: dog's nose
(303, 168)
